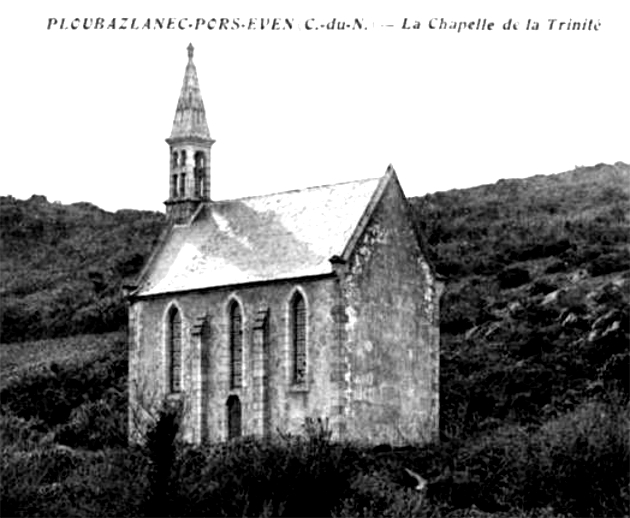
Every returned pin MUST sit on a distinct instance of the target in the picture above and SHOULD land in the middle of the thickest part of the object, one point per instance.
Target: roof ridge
(295, 191)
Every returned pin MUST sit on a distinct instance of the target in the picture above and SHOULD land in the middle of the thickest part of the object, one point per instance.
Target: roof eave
(132, 290)
(148, 296)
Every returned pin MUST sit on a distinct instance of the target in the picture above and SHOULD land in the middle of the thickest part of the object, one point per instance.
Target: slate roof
(276, 236)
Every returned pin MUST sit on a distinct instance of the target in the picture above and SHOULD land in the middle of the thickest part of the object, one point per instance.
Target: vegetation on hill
(62, 266)
(535, 314)
(534, 381)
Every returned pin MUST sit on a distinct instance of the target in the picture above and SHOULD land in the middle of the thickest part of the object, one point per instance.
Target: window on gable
(298, 339)
(174, 346)
(236, 346)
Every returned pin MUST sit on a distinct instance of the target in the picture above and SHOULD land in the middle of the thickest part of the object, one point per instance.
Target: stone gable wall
(391, 355)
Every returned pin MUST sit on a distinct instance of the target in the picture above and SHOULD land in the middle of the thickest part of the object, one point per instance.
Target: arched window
(236, 345)
(174, 350)
(174, 160)
(298, 338)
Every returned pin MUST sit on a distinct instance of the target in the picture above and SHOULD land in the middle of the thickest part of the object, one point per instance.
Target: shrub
(19, 432)
(466, 304)
(557, 265)
(513, 277)
(375, 495)
(579, 462)
(609, 263)
(161, 447)
(283, 476)
(56, 481)
(97, 424)
(30, 479)
(50, 395)
(542, 287)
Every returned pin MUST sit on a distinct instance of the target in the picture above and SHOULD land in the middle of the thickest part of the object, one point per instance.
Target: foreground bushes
(82, 404)
(574, 465)
(579, 462)
(286, 476)
(54, 481)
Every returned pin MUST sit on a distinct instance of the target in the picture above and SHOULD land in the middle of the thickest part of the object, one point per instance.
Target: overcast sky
(85, 112)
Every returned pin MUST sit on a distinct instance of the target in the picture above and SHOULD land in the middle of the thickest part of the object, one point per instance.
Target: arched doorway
(234, 416)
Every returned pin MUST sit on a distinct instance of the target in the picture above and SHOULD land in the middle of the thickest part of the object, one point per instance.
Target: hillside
(62, 266)
(535, 314)
(534, 370)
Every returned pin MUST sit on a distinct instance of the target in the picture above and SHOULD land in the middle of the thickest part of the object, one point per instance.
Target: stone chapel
(258, 313)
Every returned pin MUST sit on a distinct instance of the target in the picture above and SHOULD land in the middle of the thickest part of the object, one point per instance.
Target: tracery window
(174, 348)
(298, 338)
(236, 346)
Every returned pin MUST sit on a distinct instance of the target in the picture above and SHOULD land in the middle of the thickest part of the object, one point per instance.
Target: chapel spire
(190, 116)
(190, 144)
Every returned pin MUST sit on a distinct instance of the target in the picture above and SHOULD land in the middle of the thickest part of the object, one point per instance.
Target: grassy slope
(20, 359)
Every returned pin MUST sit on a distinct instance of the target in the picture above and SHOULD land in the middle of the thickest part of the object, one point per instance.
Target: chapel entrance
(234, 417)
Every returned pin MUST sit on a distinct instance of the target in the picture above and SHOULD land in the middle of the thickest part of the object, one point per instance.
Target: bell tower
(189, 147)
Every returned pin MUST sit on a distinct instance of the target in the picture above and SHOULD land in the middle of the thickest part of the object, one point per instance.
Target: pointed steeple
(190, 116)
(189, 144)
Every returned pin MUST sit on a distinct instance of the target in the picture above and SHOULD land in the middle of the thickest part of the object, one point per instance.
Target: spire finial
(190, 49)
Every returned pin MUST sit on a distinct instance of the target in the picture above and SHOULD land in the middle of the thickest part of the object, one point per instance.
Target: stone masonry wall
(390, 308)
(265, 310)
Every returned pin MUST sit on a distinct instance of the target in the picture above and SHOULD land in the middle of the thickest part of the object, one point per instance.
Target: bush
(57, 481)
(97, 424)
(579, 462)
(162, 442)
(557, 265)
(609, 263)
(285, 476)
(375, 495)
(575, 464)
(51, 394)
(19, 432)
(513, 277)
(30, 479)
(466, 304)
(542, 287)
